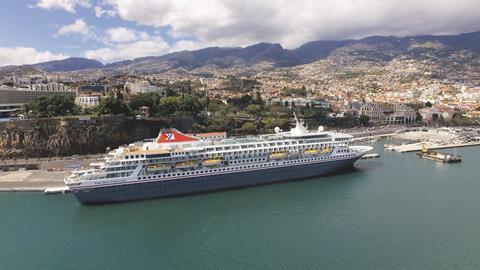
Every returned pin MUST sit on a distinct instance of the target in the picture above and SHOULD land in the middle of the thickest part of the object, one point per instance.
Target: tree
(187, 104)
(249, 128)
(428, 104)
(364, 120)
(119, 94)
(111, 105)
(241, 102)
(150, 100)
(258, 99)
(253, 109)
(57, 105)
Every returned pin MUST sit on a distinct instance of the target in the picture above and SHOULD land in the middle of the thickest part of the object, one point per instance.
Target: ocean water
(395, 212)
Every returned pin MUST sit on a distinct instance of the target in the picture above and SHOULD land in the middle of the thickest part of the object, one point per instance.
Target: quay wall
(78, 136)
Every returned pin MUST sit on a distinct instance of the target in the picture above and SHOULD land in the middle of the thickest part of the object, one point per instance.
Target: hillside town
(402, 91)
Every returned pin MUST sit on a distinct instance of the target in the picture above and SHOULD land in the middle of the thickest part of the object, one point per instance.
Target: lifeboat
(186, 165)
(326, 150)
(212, 162)
(158, 167)
(312, 152)
(278, 155)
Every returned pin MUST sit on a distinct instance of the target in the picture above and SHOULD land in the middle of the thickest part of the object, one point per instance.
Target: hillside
(375, 48)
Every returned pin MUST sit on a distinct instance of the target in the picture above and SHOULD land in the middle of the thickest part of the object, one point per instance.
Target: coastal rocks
(54, 137)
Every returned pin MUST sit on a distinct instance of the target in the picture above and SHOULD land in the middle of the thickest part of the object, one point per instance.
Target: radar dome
(320, 129)
(277, 130)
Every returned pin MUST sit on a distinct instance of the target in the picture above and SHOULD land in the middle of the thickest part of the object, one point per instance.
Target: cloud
(146, 46)
(79, 27)
(122, 35)
(67, 5)
(25, 55)
(99, 12)
(237, 23)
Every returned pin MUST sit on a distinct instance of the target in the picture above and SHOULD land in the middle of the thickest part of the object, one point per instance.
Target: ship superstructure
(176, 163)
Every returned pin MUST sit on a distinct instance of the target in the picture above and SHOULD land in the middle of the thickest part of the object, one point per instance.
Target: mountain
(69, 64)
(315, 50)
(373, 49)
(221, 57)
(7, 71)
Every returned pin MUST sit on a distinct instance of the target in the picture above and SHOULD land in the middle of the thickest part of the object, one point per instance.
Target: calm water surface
(396, 212)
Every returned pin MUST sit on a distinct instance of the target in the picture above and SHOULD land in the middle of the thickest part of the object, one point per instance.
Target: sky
(33, 31)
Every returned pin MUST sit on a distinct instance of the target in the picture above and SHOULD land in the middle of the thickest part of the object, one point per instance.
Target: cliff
(57, 137)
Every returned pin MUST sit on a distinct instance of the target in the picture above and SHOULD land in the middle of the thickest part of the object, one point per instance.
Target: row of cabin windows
(279, 143)
(212, 155)
(134, 156)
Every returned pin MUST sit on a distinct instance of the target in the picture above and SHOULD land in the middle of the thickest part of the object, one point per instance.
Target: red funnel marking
(174, 136)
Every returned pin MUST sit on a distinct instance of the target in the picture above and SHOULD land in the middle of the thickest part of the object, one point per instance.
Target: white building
(372, 110)
(142, 87)
(48, 87)
(401, 114)
(88, 100)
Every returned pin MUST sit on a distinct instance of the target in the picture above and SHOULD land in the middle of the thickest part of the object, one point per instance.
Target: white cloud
(99, 12)
(145, 47)
(78, 27)
(122, 35)
(236, 23)
(67, 5)
(25, 55)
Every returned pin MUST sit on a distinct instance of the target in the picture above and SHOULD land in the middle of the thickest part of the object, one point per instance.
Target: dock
(413, 147)
(34, 180)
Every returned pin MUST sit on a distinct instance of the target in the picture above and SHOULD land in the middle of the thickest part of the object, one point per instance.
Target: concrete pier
(412, 147)
(35, 180)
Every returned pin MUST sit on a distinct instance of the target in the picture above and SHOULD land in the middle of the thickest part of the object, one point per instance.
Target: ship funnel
(174, 136)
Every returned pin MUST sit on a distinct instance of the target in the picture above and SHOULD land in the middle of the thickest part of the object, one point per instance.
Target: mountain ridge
(387, 47)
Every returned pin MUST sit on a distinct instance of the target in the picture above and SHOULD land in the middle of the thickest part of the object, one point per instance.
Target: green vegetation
(46, 107)
(364, 120)
(150, 100)
(459, 120)
(245, 114)
(111, 105)
(302, 91)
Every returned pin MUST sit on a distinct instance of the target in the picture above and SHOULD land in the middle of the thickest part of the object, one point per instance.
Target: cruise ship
(176, 163)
